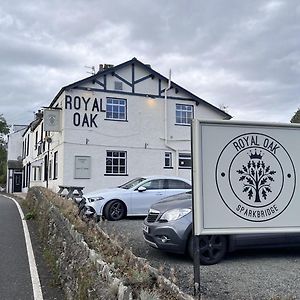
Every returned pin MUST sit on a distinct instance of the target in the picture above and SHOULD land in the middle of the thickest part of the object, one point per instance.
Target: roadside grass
(134, 273)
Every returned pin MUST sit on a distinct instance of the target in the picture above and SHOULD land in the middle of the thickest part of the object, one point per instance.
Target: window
(185, 161)
(50, 169)
(116, 109)
(118, 85)
(42, 131)
(157, 184)
(27, 150)
(36, 139)
(168, 159)
(184, 114)
(45, 167)
(82, 167)
(55, 165)
(116, 162)
(177, 184)
(34, 173)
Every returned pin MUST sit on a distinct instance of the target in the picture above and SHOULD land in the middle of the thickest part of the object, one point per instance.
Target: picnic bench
(72, 191)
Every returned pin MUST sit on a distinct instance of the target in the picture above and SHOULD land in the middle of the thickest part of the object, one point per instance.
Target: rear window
(177, 184)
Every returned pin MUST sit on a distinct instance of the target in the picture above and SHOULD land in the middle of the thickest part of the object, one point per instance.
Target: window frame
(118, 110)
(182, 111)
(113, 164)
(55, 165)
(183, 156)
(170, 158)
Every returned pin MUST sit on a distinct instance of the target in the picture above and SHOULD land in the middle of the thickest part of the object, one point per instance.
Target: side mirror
(142, 189)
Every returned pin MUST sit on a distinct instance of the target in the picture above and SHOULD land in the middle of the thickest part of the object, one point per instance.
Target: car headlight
(175, 214)
(93, 199)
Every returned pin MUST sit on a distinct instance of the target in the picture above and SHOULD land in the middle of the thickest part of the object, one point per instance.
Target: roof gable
(99, 83)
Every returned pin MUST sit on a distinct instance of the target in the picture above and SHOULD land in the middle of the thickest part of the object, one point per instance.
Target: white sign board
(52, 120)
(245, 177)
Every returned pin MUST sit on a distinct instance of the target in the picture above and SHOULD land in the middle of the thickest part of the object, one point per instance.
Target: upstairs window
(184, 114)
(116, 109)
(118, 85)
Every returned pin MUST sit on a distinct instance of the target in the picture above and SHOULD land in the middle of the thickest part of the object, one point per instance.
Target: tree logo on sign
(255, 177)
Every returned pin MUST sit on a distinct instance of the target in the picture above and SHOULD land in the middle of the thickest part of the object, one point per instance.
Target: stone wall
(84, 258)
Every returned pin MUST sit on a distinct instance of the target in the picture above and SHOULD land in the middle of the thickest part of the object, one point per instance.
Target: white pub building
(123, 122)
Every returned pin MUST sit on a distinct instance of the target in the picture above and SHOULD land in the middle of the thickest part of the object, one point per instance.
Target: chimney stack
(103, 67)
(38, 115)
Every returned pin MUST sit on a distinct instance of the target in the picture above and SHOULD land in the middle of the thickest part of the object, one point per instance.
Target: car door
(142, 200)
(176, 186)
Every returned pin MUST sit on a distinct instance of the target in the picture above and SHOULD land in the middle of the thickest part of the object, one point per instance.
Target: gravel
(252, 274)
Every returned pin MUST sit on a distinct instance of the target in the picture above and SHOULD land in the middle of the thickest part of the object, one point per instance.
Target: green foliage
(296, 117)
(30, 215)
(4, 129)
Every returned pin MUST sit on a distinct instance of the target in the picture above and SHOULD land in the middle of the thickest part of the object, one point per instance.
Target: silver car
(134, 197)
(168, 227)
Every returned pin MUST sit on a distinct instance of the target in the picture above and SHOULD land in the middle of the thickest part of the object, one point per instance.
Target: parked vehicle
(134, 197)
(168, 227)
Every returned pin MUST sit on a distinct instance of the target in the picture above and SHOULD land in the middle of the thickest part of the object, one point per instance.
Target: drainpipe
(166, 125)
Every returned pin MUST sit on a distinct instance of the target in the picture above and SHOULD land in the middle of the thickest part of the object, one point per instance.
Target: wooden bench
(72, 191)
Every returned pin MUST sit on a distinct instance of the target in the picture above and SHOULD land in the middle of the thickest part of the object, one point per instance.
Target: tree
(256, 177)
(296, 117)
(4, 130)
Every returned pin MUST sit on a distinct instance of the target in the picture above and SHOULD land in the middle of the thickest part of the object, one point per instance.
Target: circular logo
(255, 177)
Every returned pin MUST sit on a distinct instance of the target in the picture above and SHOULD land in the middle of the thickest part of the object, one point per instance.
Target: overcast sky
(244, 55)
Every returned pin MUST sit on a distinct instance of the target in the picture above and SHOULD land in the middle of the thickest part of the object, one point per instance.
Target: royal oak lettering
(83, 104)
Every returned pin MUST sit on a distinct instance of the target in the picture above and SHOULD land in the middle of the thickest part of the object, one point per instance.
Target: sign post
(196, 210)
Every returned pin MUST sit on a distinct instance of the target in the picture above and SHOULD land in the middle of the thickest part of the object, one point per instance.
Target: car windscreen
(132, 183)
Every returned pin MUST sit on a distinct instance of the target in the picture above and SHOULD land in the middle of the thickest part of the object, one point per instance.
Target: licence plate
(146, 228)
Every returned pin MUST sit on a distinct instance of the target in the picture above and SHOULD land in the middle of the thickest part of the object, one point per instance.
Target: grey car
(168, 227)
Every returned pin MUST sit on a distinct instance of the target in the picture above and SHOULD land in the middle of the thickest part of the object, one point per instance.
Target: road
(23, 276)
(15, 277)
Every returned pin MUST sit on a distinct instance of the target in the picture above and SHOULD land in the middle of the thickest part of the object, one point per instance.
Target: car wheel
(115, 210)
(212, 248)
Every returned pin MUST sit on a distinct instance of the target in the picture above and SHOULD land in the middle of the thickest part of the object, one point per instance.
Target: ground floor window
(116, 162)
(55, 165)
(168, 160)
(185, 160)
(50, 169)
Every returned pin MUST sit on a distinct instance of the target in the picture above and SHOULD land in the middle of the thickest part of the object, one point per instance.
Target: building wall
(87, 134)
(14, 153)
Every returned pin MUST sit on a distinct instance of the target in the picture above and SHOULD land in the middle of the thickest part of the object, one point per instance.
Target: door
(17, 185)
(142, 200)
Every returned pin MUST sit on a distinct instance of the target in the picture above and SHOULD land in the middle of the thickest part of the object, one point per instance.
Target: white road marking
(36, 285)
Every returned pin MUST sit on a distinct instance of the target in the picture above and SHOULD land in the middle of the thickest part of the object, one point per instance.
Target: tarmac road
(15, 278)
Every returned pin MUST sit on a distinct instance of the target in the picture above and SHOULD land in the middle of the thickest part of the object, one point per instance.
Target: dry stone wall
(82, 270)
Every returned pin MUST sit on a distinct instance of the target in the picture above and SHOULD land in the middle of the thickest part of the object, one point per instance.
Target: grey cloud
(243, 54)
